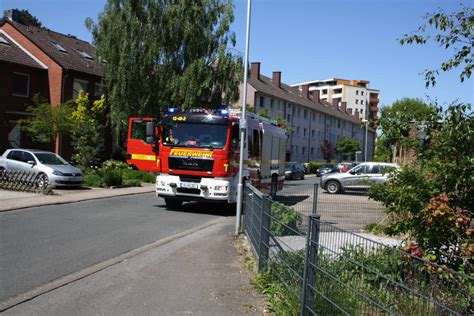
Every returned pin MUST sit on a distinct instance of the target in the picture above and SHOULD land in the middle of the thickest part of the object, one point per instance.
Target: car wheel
(333, 187)
(42, 181)
(302, 176)
(172, 204)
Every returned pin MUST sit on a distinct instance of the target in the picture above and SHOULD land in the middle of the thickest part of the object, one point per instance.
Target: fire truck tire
(172, 204)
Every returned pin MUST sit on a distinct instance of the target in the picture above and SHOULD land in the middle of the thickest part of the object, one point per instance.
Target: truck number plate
(189, 185)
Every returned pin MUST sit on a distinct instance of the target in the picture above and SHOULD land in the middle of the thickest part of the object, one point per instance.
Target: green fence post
(309, 274)
(264, 233)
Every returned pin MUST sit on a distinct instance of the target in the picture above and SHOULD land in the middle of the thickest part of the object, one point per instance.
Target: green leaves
(347, 147)
(163, 53)
(456, 31)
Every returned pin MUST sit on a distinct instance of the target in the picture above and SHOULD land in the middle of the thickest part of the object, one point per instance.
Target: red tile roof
(71, 59)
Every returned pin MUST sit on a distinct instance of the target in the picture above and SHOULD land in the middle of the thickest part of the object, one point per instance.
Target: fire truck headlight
(221, 188)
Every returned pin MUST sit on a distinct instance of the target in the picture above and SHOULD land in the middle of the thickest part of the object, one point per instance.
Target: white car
(51, 168)
(361, 177)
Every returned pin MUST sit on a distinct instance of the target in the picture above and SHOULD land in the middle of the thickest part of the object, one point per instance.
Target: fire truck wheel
(173, 204)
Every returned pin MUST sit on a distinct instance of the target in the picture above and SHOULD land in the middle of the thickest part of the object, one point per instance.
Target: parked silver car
(51, 168)
(360, 177)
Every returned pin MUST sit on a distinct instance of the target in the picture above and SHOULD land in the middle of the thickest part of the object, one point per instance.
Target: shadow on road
(291, 199)
(216, 209)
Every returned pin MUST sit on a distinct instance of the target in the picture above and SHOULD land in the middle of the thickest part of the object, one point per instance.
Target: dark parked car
(326, 168)
(294, 170)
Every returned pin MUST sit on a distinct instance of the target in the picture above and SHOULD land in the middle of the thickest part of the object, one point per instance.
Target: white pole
(365, 145)
(243, 126)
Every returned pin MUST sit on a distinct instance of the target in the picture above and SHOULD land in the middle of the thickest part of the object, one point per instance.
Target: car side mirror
(150, 140)
(352, 172)
(31, 162)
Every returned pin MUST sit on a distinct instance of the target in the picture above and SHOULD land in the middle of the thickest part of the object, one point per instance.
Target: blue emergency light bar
(174, 110)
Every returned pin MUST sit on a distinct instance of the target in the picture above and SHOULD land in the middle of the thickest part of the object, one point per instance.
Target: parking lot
(350, 210)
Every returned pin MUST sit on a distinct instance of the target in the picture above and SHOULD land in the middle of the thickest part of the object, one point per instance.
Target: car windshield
(288, 166)
(50, 159)
(197, 135)
(327, 166)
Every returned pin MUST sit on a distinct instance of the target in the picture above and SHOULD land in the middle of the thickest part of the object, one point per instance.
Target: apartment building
(313, 119)
(36, 60)
(356, 94)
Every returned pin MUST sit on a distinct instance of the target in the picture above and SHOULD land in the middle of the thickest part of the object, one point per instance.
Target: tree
(87, 130)
(327, 150)
(347, 147)
(27, 18)
(166, 53)
(456, 31)
(396, 121)
(432, 202)
(47, 121)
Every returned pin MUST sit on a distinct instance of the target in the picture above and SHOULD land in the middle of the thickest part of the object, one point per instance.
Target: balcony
(373, 100)
(374, 108)
(374, 117)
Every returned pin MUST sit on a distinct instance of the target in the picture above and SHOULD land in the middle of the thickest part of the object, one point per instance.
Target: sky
(316, 39)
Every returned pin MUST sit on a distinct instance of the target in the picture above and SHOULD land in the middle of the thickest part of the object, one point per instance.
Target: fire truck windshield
(195, 134)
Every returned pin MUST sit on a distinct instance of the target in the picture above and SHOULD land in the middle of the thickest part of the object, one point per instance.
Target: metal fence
(326, 270)
(22, 181)
(351, 210)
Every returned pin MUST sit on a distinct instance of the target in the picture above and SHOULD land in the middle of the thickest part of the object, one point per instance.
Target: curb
(75, 276)
(39, 204)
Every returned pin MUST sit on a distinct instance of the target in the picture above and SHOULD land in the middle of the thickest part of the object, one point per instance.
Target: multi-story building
(356, 94)
(312, 119)
(36, 60)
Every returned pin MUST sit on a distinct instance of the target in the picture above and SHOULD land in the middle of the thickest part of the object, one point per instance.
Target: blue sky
(315, 39)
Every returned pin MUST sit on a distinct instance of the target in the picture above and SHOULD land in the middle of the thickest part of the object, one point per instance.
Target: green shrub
(314, 165)
(93, 180)
(142, 176)
(132, 182)
(112, 177)
(282, 217)
(115, 165)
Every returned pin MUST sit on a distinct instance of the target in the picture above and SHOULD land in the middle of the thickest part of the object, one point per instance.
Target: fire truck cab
(196, 153)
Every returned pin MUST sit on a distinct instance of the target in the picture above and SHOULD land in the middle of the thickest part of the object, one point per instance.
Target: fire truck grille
(190, 163)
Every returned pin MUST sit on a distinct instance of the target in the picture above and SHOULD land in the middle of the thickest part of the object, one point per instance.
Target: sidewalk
(199, 272)
(12, 200)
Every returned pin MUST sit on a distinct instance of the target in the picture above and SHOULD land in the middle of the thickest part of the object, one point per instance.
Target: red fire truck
(196, 153)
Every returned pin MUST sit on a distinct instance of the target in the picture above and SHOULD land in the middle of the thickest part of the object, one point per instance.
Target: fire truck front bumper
(211, 189)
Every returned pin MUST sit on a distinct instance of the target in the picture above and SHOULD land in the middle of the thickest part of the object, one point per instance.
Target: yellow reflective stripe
(143, 157)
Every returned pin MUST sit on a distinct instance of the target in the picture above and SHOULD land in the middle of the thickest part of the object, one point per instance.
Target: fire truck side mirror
(150, 132)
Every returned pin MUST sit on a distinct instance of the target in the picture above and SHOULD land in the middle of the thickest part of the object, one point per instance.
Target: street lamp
(243, 127)
(366, 122)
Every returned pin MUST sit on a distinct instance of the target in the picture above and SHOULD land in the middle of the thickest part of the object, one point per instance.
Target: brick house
(36, 60)
(313, 119)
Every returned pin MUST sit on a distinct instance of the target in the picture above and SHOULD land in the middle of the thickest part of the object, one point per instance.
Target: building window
(288, 118)
(357, 92)
(84, 55)
(20, 85)
(79, 85)
(362, 102)
(297, 150)
(325, 91)
(298, 112)
(361, 111)
(262, 101)
(357, 101)
(305, 114)
(312, 133)
(362, 93)
(338, 124)
(98, 90)
(312, 151)
(297, 130)
(58, 47)
(303, 150)
(304, 132)
(271, 104)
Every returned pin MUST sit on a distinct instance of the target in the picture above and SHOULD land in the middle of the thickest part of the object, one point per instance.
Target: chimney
(335, 103)
(305, 90)
(349, 111)
(315, 94)
(255, 70)
(356, 114)
(344, 107)
(276, 78)
(12, 15)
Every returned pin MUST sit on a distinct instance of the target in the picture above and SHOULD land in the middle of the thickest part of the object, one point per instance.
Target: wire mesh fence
(322, 269)
(22, 181)
(351, 210)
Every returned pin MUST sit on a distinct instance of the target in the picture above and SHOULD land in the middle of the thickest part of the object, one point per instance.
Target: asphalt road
(38, 245)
